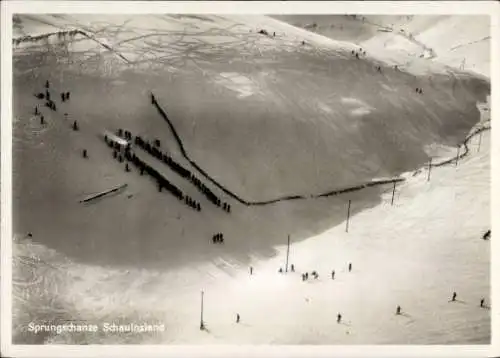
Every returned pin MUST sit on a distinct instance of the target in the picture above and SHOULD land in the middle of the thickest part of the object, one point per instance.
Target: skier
(237, 318)
(63, 96)
(293, 268)
(481, 303)
(333, 274)
(36, 110)
(75, 126)
(67, 96)
(84, 153)
(47, 84)
(127, 168)
(280, 270)
(398, 310)
(350, 267)
(339, 318)
(454, 297)
(251, 270)
(42, 121)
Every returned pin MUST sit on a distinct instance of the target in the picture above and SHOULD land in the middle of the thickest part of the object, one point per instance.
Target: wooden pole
(287, 253)
(393, 191)
(348, 215)
(429, 171)
(458, 154)
(480, 137)
(202, 325)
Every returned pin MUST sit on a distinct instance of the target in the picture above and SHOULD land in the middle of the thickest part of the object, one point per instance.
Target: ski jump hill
(258, 110)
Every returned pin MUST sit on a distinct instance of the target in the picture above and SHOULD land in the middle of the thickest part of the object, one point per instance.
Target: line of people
(183, 172)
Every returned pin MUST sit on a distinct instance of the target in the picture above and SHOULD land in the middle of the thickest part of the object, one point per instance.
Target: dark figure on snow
(292, 268)
(303, 42)
(36, 110)
(420, 91)
(481, 304)
(398, 310)
(303, 277)
(42, 120)
(274, 34)
(251, 270)
(30, 234)
(47, 95)
(454, 297)
(416, 90)
(214, 239)
(40, 95)
(352, 52)
(63, 96)
(357, 55)
(84, 153)
(339, 318)
(350, 267)
(67, 96)
(237, 318)
(280, 270)
(307, 275)
(47, 84)
(487, 235)
(127, 168)
(333, 274)
(75, 126)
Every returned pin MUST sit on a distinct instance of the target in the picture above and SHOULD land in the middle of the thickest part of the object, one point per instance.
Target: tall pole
(458, 154)
(287, 253)
(202, 326)
(429, 171)
(348, 215)
(480, 137)
(393, 191)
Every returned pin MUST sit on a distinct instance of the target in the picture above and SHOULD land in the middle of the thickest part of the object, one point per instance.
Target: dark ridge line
(266, 202)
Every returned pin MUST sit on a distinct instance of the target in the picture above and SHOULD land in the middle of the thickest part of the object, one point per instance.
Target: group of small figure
(219, 239)
(176, 167)
(358, 53)
(192, 203)
(42, 118)
(481, 302)
(65, 96)
(418, 90)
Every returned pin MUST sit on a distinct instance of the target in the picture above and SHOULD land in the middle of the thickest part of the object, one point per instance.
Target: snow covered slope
(266, 116)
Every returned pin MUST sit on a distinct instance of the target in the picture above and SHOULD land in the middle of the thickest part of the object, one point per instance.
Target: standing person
(63, 96)
(481, 304)
(237, 318)
(251, 270)
(293, 268)
(67, 96)
(454, 297)
(280, 270)
(47, 84)
(36, 110)
(333, 274)
(398, 310)
(339, 318)
(350, 267)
